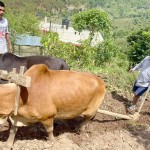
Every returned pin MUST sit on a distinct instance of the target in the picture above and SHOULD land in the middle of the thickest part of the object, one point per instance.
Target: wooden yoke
(18, 79)
(21, 71)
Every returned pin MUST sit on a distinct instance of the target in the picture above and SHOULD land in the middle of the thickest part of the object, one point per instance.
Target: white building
(70, 35)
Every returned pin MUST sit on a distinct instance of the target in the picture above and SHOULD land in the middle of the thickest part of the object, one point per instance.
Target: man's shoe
(132, 107)
(141, 99)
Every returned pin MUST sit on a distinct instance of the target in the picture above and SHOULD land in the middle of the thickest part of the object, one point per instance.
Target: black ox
(8, 61)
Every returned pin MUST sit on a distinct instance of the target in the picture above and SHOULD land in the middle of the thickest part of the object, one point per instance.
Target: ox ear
(3, 120)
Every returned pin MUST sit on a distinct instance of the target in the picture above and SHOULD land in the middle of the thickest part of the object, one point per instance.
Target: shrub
(140, 45)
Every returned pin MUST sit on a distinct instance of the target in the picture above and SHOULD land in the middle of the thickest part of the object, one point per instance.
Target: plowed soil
(102, 133)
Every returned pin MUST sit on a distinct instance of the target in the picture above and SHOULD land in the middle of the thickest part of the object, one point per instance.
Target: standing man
(4, 34)
(143, 81)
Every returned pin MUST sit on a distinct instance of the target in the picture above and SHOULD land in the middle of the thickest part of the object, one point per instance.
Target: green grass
(117, 78)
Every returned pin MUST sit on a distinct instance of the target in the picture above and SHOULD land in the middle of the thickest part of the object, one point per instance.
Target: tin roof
(26, 40)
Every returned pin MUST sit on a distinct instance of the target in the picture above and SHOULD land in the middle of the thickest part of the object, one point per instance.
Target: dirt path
(102, 133)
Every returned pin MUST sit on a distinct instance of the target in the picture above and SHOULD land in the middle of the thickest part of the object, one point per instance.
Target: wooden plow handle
(114, 114)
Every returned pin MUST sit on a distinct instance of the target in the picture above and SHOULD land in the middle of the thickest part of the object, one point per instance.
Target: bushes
(105, 52)
(140, 45)
(76, 56)
(83, 56)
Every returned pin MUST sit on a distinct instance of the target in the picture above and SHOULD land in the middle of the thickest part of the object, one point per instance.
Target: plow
(134, 117)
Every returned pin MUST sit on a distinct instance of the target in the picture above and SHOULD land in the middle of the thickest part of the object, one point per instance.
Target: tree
(94, 20)
(24, 23)
(140, 45)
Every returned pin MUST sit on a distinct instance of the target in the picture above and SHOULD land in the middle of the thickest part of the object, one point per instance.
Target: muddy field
(102, 133)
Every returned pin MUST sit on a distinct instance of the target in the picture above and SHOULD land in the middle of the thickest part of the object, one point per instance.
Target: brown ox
(54, 94)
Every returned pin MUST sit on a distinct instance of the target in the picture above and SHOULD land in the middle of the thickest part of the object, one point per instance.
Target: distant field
(129, 25)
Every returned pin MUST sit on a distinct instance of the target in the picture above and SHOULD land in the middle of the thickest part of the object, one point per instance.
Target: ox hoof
(51, 138)
(79, 130)
(82, 128)
(76, 130)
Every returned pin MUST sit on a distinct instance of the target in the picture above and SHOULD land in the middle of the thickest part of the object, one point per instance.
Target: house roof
(26, 40)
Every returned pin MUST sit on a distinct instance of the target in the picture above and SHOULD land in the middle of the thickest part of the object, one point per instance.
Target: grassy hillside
(123, 8)
(45, 7)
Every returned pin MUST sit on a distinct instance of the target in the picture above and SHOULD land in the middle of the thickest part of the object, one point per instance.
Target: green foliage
(83, 56)
(93, 20)
(116, 8)
(46, 7)
(106, 52)
(49, 42)
(76, 56)
(118, 79)
(96, 20)
(24, 23)
(123, 8)
(140, 45)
